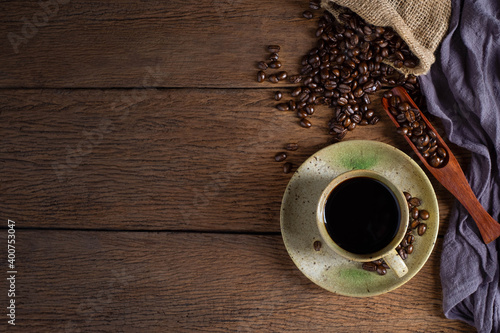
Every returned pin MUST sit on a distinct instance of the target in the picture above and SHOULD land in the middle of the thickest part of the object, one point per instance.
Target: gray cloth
(463, 89)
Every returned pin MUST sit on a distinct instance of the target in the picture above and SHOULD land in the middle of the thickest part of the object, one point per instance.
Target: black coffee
(362, 215)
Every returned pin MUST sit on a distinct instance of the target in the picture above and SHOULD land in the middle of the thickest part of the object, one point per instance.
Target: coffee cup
(363, 216)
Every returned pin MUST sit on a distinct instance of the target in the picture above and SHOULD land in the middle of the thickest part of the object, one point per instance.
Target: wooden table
(136, 160)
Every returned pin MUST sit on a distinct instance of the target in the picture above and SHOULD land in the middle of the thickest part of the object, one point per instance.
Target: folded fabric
(463, 89)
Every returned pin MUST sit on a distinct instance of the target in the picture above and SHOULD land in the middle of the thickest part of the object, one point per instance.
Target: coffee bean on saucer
(279, 157)
(422, 228)
(317, 245)
(369, 266)
(381, 270)
(415, 202)
(424, 215)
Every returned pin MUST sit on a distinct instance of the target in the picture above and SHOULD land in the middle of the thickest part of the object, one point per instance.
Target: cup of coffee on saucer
(363, 216)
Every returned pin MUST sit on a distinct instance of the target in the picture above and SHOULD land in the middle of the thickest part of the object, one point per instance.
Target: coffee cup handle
(396, 263)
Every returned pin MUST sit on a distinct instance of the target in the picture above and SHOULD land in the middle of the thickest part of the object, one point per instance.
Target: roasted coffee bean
(287, 167)
(409, 249)
(278, 95)
(280, 157)
(414, 224)
(435, 161)
(301, 113)
(282, 75)
(273, 48)
(314, 5)
(441, 152)
(424, 215)
(317, 245)
(275, 64)
(294, 79)
(374, 120)
(402, 130)
(282, 107)
(414, 213)
(292, 105)
(273, 78)
(422, 228)
(262, 65)
(309, 109)
(415, 202)
(410, 239)
(403, 254)
(274, 57)
(381, 270)
(369, 266)
(344, 88)
(296, 92)
(307, 14)
(305, 123)
(261, 76)
(407, 196)
(292, 146)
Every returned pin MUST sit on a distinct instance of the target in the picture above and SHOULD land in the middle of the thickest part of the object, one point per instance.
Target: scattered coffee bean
(280, 157)
(307, 14)
(261, 76)
(292, 146)
(273, 78)
(305, 123)
(282, 75)
(314, 5)
(282, 107)
(287, 167)
(262, 65)
(273, 48)
(424, 215)
(278, 95)
(275, 64)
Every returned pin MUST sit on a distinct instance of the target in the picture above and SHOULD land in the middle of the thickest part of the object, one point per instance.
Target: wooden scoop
(450, 175)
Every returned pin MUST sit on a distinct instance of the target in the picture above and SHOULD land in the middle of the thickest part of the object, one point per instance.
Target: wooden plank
(91, 43)
(74, 281)
(156, 159)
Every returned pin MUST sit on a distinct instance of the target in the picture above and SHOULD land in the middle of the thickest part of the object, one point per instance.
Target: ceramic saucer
(298, 216)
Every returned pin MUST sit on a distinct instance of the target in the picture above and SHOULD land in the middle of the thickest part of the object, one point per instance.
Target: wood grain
(182, 159)
(91, 43)
(76, 281)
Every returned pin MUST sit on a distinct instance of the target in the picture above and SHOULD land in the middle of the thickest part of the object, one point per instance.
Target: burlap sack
(421, 23)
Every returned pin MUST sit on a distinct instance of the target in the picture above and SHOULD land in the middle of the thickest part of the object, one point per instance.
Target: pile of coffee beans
(412, 125)
(348, 64)
(406, 247)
